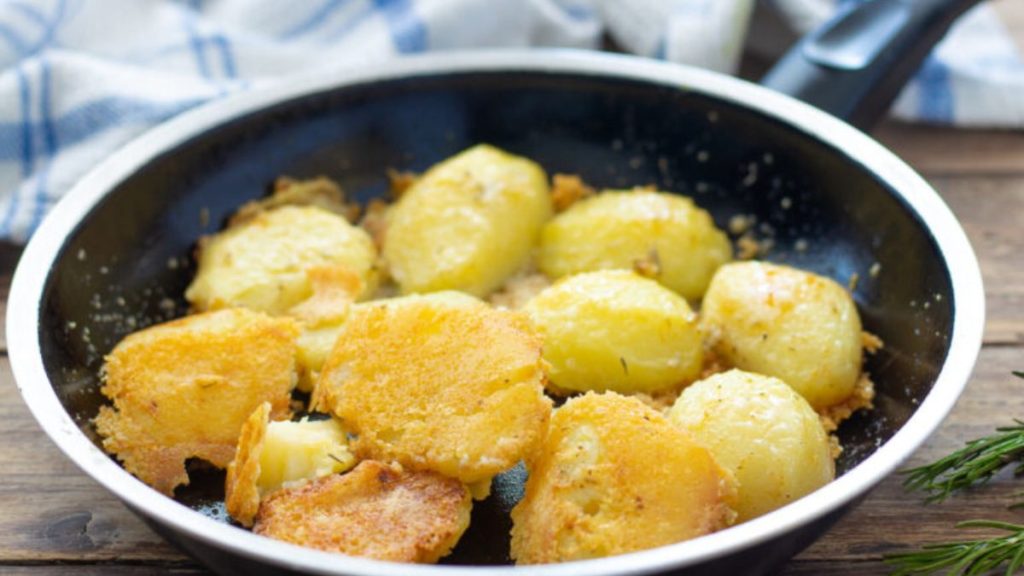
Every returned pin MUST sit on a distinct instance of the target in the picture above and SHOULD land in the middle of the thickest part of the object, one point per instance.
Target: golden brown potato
(614, 476)
(439, 382)
(376, 510)
(795, 325)
(468, 223)
(183, 389)
(272, 455)
(665, 236)
(616, 330)
(276, 260)
(763, 432)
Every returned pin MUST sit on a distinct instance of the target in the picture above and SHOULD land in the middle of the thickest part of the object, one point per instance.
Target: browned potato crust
(440, 382)
(615, 476)
(241, 492)
(376, 510)
(183, 389)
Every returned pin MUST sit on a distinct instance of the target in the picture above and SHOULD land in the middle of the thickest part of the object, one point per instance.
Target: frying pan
(115, 254)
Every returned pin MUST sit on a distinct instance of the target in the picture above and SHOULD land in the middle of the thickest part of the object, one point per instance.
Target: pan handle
(855, 65)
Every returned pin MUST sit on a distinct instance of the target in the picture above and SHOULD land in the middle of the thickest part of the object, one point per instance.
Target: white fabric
(79, 78)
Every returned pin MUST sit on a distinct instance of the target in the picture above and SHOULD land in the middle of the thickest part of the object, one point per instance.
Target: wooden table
(56, 520)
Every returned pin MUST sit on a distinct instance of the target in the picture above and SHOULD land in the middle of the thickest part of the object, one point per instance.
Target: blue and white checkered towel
(82, 77)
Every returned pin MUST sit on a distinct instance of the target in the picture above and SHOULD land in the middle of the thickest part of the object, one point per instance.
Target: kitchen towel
(80, 78)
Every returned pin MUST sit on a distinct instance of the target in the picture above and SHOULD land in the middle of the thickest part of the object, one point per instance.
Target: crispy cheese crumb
(568, 189)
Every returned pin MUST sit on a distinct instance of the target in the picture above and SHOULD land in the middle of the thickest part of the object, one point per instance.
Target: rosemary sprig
(974, 464)
(967, 558)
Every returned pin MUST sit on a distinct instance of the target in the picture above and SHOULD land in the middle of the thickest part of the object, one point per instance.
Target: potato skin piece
(615, 476)
(616, 330)
(763, 432)
(184, 388)
(664, 233)
(797, 326)
(376, 510)
(469, 223)
(274, 261)
(439, 382)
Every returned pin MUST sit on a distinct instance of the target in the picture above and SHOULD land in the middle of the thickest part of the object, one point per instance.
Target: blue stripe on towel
(661, 48)
(48, 25)
(19, 131)
(49, 144)
(11, 37)
(578, 12)
(188, 16)
(227, 57)
(29, 11)
(315, 19)
(935, 97)
(408, 31)
(87, 120)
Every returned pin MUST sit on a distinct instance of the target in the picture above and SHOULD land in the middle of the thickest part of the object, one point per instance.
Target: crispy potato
(467, 224)
(616, 330)
(614, 476)
(439, 382)
(376, 510)
(660, 234)
(272, 455)
(321, 192)
(791, 324)
(276, 260)
(763, 432)
(183, 389)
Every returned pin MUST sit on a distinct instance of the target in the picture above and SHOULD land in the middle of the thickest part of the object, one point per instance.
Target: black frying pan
(116, 254)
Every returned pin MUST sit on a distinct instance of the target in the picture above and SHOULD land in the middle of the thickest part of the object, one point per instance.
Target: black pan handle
(855, 65)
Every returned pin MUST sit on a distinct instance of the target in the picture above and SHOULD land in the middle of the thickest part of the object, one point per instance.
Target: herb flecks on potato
(275, 455)
(616, 330)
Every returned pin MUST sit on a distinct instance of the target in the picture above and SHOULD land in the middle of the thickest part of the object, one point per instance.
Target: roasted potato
(665, 236)
(468, 223)
(439, 382)
(763, 432)
(615, 476)
(183, 389)
(376, 510)
(616, 330)
(797, 326)
(298, 260)
(272, 455)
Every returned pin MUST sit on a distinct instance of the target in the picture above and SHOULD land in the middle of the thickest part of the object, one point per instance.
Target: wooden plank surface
(56, 520)
(991, 211)
(934, 151)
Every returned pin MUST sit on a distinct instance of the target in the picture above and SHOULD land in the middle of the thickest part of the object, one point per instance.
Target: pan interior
(129, 261)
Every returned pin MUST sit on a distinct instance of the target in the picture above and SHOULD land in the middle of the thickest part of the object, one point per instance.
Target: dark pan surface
(128, 263)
